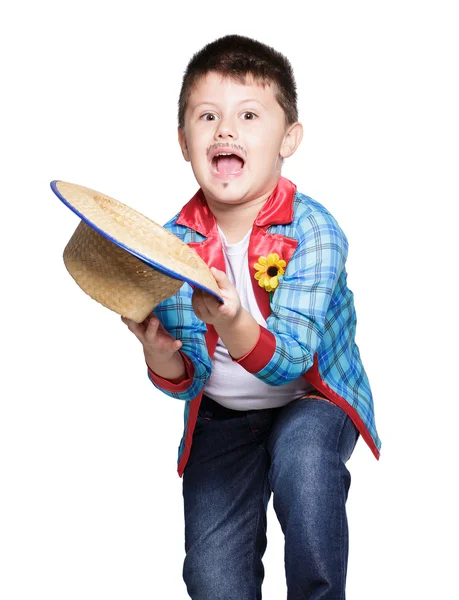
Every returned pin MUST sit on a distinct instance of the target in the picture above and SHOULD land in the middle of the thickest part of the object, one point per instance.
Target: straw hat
(124, 260)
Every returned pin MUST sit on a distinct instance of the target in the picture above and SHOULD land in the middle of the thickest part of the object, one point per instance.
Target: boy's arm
(285, 348)
(177, 317)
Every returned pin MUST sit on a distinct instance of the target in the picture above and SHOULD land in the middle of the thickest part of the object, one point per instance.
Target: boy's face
(235, 137)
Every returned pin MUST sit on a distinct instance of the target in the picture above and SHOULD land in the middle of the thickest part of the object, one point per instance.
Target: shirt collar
(277, 210)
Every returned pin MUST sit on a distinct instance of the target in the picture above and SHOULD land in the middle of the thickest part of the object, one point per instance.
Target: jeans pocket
(203, 417)
(315, 396)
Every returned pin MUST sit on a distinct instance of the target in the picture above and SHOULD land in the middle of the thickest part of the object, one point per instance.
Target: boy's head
(238, 118)
(237, 57)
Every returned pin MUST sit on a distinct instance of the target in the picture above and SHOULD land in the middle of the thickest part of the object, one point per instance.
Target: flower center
(272, 271)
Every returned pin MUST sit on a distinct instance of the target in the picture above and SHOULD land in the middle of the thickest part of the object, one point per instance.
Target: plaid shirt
(310, 320)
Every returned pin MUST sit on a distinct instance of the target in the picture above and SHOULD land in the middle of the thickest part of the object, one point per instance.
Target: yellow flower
(268, 270)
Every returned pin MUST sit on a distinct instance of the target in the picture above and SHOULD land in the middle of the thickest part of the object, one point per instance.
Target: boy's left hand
(209, 309)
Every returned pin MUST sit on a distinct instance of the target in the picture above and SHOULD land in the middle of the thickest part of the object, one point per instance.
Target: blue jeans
(298, 452)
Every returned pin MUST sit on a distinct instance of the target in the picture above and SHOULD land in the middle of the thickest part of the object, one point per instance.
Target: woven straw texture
(115, 277)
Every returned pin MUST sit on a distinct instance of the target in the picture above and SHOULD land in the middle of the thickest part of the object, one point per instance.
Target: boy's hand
(159, 347)
(210, 310)
(153, 337)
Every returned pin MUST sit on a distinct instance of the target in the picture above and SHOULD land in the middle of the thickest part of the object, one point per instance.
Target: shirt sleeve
(177, 316)
(286, 346)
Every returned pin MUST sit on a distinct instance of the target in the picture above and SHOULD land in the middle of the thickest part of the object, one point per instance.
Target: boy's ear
(292, 140)
(183, 144)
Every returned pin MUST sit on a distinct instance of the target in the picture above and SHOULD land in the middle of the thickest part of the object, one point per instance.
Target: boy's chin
(228, 191)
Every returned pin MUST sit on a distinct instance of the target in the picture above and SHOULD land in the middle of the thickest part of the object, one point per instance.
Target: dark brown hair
(236, 56)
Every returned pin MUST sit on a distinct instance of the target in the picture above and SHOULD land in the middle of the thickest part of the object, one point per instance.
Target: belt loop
(207, 412)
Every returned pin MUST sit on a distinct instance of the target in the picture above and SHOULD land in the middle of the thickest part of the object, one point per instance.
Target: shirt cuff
(260, 355)
(175, 385)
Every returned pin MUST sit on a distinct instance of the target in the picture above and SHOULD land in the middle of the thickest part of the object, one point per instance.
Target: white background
(91, 503)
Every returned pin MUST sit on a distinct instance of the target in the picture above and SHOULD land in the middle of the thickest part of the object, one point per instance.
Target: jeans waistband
(217, 410)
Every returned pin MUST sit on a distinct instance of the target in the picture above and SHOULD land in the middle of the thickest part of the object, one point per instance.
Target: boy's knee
(309, 466)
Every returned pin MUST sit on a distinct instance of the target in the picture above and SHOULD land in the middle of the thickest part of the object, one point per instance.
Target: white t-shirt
(230, 384)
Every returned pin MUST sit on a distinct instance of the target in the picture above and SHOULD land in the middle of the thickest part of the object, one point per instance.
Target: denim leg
(309, 445)
(226, 492)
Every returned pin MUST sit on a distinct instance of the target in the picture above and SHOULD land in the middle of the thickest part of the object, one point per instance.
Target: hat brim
(145, 259)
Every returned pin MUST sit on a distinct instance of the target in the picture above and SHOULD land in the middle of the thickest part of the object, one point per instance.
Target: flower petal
(274, 282)
(259, 267)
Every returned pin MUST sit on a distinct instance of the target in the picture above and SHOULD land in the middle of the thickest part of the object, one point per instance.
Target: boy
(275, 392)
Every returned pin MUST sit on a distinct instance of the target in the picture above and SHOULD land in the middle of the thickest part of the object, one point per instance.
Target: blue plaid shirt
(312, 320)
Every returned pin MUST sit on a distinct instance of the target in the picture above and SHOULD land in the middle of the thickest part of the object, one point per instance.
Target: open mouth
(226, 164)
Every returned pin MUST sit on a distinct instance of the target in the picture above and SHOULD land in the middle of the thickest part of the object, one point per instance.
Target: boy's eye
(249, 116)
(208, 117)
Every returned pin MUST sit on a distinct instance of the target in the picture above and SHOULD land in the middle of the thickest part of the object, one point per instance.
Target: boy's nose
(226, 130)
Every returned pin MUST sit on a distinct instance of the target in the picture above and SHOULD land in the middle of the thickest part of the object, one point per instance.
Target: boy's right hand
(159, 346)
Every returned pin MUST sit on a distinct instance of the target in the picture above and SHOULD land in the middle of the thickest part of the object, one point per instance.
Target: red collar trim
(277, 210)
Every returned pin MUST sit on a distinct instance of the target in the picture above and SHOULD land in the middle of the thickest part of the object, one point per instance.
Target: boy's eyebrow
(241, 102)
(252, 100)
